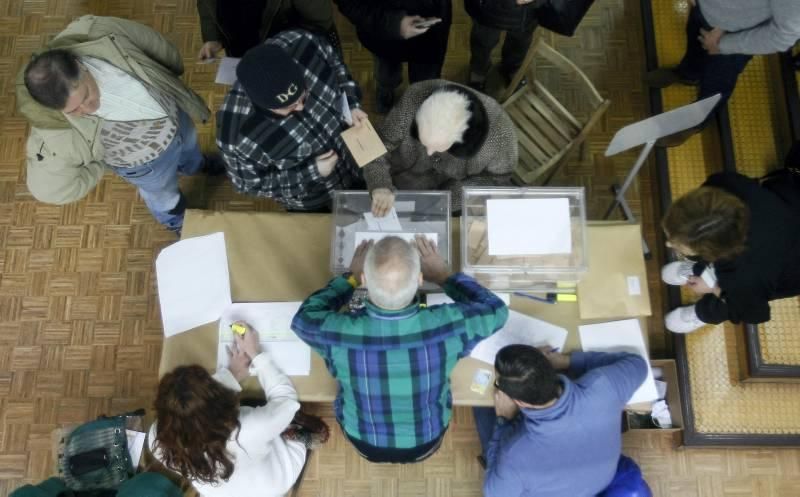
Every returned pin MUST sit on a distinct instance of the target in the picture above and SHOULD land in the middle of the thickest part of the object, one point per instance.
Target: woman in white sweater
(223, 449)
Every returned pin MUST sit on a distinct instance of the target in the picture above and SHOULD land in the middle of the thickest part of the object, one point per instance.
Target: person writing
(223, 449)
(742, 241)
(552, 434)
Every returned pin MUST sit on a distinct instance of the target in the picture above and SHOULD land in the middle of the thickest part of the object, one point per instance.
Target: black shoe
(213, 165)
(508, 77)
(664, 77)
(384, 100)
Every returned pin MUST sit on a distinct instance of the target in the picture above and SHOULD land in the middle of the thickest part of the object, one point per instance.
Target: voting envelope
(616, 284)
(364, 143)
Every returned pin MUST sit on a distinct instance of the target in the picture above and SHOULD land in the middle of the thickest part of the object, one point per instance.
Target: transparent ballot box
(524, 238)
(425, 212)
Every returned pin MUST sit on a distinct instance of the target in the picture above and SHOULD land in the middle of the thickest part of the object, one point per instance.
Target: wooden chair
(546, 129)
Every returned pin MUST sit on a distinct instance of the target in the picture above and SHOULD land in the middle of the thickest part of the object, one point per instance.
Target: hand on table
(238, 362)
(382, 201)
(248, 342)
(434, 269)
(558, 360)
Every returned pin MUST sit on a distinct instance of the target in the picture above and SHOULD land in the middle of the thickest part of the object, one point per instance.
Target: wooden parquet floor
(80, 331)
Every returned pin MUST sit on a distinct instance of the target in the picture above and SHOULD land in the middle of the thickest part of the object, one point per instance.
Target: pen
(550, 298)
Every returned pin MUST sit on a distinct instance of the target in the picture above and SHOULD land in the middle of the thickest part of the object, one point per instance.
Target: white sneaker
(677, 273)
(683, 320)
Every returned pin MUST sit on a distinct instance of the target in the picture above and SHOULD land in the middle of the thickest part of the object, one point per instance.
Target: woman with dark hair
(739, 242)
(223, 449)
(440, 136)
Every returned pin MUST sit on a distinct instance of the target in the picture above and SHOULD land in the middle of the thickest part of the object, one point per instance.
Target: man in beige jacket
(107, 93)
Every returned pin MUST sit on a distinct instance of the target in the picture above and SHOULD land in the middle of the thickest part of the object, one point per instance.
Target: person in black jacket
(397, 31)
(743, 240)
(489, 18)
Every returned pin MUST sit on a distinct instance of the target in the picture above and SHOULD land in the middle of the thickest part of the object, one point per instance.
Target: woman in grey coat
(441, 136)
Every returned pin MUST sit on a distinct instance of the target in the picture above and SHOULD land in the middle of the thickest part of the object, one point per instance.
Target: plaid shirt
(393, 367)
(272, 156)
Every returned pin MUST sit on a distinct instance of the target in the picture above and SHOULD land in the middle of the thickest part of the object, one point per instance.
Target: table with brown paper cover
(275, 256)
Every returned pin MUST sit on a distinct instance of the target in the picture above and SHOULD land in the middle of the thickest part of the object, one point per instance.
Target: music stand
(646, 133)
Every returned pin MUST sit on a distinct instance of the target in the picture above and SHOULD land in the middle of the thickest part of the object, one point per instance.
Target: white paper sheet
(529, 226)
(621, 336)
(375, 236)
(348, 116)
(226, 72)
(135, 445)
(389, 222)
(273, 322)
(193, 282)
(442, 298)
(520, 329)
(405, 205)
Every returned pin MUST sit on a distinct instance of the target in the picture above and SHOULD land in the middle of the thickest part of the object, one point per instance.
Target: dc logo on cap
(291, 91)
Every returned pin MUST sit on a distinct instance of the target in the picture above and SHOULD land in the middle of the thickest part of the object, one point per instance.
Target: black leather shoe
(213, 165)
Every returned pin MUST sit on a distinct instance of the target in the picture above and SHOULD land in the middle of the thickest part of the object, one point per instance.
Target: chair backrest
(547, 130)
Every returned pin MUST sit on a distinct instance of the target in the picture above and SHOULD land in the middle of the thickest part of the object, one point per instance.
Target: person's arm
(346, 82)
(393, 131)
(55, 176)
(484, 312)
(624, 371)
(776, 35)
(315, 14)
(501, 480)
(145, 38)
(321, 305)
(207, 10)
(373, 16)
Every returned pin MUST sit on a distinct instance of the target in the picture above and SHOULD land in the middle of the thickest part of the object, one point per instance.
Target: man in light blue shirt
(552, 436)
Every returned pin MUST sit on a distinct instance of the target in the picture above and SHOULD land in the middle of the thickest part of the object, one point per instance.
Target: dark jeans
(485, 420)
(389, 455)
(716, 73)
(389, 73)
(483, 39)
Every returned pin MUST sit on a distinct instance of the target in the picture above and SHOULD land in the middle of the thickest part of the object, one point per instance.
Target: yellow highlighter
(239, 329)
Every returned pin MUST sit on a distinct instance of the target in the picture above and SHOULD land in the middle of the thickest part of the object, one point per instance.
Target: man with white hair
(440, 136)
(392, 359)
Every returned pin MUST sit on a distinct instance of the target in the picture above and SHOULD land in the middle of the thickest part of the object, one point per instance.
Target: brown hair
(710, 221)
(195, 417)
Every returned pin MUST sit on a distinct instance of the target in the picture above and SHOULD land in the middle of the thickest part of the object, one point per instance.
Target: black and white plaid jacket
(272, 156)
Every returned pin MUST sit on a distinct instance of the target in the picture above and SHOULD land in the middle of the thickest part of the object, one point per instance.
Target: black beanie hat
(270, 77)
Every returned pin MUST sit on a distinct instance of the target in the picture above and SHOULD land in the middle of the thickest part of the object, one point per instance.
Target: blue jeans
(157, 180)
(716, 73)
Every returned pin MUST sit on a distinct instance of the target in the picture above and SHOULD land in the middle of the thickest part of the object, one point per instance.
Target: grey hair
(443, 117)
(391, 271)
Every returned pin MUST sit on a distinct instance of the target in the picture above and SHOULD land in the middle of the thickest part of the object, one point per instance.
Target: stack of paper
(529, 226)
(621, 336)
(520, 329)
(272, 321)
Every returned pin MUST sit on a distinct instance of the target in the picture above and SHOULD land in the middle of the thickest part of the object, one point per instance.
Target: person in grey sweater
(722, 37)
(440, 136)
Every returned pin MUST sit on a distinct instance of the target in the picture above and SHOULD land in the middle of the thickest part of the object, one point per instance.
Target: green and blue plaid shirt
(393, 367)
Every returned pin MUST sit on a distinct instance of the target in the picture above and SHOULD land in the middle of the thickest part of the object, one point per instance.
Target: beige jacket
(64, 153)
